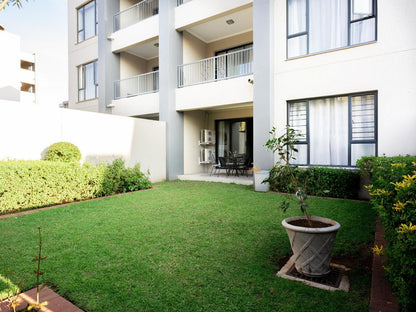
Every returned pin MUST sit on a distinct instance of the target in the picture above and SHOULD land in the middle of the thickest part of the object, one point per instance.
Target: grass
(185, 246)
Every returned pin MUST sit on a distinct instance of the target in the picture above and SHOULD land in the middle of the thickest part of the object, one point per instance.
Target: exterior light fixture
(230, 21)
(156, 44)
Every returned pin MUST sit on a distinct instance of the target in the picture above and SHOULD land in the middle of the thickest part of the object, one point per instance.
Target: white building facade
(342, 72)
(17, 71)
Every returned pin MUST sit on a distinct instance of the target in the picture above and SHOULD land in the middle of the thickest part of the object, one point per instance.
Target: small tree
(17, 3)
(285, 148)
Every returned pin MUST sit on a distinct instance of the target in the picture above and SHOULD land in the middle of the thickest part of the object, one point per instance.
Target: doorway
(234, 137)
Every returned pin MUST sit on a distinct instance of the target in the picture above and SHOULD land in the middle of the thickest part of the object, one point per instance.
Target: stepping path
(56, 302)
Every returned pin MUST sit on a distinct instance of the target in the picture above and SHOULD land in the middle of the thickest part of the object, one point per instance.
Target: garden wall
(27, 130)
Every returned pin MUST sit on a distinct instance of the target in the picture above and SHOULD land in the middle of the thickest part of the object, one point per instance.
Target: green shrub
(393, 194)
(63, 151)
(318, 181)
(118, 179)
(32, 184)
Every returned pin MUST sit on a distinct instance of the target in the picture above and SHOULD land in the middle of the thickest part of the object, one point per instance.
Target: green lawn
(185, 246)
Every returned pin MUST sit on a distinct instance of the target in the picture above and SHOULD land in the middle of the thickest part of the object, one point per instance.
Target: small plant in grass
(38, 305)
(285, 148)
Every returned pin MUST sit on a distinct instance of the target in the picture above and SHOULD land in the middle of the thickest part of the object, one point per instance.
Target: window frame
(306, 141)
(82, 80)
(82, 9)
(350, 22)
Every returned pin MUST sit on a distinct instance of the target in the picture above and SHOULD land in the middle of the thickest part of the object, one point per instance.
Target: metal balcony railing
(135, 14)
(137, 85)
(234, 64)
(180, 2)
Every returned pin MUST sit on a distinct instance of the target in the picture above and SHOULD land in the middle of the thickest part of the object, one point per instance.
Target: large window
(87, 21)
(335, 131)
(321, 25)
(87, 81)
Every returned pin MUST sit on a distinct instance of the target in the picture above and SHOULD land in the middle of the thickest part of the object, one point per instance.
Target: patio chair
(223, 165)
(215, 166)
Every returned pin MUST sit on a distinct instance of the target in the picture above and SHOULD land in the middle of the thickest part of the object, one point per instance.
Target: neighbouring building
(17, 71)
(343, 72)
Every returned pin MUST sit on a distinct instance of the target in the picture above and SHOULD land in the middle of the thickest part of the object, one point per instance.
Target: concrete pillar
(170, 56)
(263, 66)
(108, 62)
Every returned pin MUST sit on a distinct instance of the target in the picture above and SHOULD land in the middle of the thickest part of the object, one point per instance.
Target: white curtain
(363, 31)
(296, 24)
(297, 16)
(328, 124)
(328, 24)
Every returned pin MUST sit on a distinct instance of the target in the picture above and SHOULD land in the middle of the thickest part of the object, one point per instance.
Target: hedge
(393, 194)
(39, 183)
(63, 151)
(318, 181)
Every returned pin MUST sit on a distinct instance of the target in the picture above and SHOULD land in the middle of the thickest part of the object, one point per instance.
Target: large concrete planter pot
(312, 246)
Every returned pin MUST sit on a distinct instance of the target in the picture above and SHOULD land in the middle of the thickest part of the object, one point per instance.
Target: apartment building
(342, 72)
(17, 71)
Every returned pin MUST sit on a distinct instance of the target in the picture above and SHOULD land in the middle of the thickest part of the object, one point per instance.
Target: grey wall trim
(170, 56)
(108, 62)
(263, 67)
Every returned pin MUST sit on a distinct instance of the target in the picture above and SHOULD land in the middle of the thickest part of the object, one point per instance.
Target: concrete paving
(222, 177)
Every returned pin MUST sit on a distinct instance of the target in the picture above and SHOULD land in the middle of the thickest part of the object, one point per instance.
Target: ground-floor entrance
(234, 137)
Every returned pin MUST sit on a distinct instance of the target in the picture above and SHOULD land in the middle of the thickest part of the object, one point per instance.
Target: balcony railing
(135, 14)
(137, 85)
(180, 2)
(234, 64)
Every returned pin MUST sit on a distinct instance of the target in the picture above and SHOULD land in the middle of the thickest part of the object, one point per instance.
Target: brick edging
(382, 297)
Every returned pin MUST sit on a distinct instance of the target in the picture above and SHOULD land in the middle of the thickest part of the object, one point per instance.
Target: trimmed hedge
(393, 194)
(318, 181)
(63, 151)
(38, 183)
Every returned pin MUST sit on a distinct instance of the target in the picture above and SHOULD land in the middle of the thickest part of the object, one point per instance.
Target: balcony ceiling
(217, 28)
(146, 50)
(208, 32)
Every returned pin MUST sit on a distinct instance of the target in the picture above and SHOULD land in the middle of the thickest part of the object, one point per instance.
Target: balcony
(221, 67)
(136, 29)
(27, 76)
(136, 96)
(137, 85)
(135, 14)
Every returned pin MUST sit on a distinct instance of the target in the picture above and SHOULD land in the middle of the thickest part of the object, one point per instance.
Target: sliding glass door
(234, 137)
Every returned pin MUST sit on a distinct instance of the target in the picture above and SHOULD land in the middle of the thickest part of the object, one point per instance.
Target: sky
(43, 29)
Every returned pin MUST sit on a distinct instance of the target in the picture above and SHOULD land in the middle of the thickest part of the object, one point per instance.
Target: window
(87, 81)
(335, 131)
(321, 25)
(87, 21)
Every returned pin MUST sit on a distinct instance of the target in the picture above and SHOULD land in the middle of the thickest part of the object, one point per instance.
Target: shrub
(318, 181)
(32, 184)
(118, 179)
(63, 151)
(393, 194)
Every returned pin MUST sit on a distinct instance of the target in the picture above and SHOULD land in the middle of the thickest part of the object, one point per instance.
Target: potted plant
(311, 238)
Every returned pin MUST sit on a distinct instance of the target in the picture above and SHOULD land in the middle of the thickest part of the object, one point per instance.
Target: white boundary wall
(27, 131)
